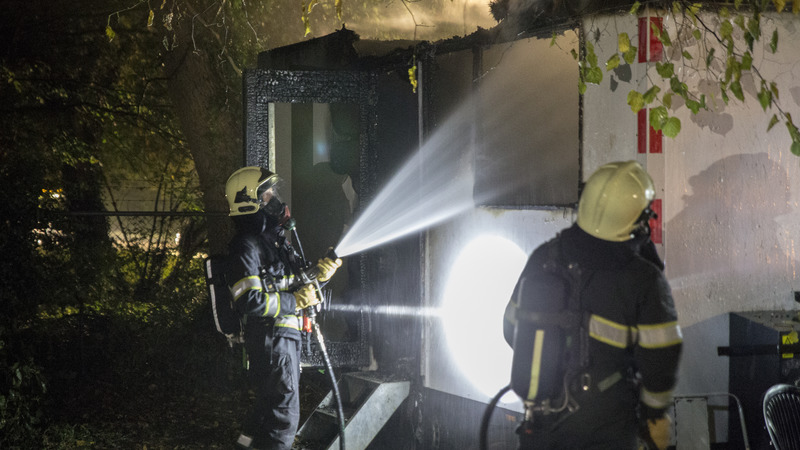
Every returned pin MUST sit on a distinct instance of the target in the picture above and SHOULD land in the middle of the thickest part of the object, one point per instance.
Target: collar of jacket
(256, 223)
(591, 252)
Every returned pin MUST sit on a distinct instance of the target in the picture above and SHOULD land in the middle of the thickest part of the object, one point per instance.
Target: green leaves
(726, 30)
(672, 127)
(589, 70)
(773, 87)
(774, 121)
(666, 70)
(660, 120)
(660, 34)
(591, 57)
(612, 62)
(667, 99)
(630, 55)
(733, 69)
(412, 76)
(658, 117)
(753, 31)
(650, 95)
(736, 89)
(678, 87)
(21, 400)
(636, 101)
(747, 61)
(594, 75)
(764, 96)
(305, 16)
(625, 48)
(735, 33)
(710, 57)
(695, 106)
(795, 134)
(773, 43)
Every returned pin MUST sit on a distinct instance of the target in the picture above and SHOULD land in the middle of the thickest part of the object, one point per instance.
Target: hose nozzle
(332, 254)
(312, 273)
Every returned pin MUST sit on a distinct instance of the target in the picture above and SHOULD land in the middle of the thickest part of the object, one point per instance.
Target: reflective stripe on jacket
(652, 336)
(264, 276)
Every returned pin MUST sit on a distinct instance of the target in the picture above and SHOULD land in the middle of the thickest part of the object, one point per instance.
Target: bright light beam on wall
(478, 287)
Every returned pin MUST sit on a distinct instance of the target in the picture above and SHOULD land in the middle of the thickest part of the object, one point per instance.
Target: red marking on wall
(648, 140)
(656, 47)
(656, 230)
(656, 140)
(641, 131)
(650, 47)
(643, 33)
(655, 143)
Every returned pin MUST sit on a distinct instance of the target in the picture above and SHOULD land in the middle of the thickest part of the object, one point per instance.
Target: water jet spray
(434, 185)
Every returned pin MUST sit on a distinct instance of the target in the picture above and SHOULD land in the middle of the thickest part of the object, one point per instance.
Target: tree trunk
(213, 132)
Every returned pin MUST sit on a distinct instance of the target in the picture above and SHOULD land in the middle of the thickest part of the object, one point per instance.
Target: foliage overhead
(727, 37)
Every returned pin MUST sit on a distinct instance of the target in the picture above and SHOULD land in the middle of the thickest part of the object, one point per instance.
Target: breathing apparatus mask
(641, 242)
(276, 211)
(641, 230)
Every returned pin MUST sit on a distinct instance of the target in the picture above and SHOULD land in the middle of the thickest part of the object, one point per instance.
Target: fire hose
(487, 416)
(308, 275)
(334, 385)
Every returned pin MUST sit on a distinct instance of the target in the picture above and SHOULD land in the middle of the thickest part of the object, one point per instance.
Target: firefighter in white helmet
(266, 294)
(618, 391)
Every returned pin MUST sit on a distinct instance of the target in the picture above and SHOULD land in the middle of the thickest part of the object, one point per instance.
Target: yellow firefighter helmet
(244, 188)
(612, 202)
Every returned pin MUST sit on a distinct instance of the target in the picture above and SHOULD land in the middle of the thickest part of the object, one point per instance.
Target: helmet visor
(267, 181)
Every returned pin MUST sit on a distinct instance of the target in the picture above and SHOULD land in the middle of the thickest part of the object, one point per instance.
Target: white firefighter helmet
(613, 200)
(244, 188)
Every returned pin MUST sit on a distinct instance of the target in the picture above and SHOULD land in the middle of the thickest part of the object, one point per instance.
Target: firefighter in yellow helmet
(263, 268)
(593, 325)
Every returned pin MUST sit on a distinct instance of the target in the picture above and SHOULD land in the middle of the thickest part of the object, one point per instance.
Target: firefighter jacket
(628, 309)
(262, 268)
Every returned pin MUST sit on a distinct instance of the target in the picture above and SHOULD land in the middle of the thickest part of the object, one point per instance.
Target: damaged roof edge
(345, 50)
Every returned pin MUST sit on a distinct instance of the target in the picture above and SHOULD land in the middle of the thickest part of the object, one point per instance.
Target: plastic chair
(782, 416)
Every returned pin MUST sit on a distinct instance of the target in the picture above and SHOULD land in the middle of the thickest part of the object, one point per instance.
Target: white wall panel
(731, 189)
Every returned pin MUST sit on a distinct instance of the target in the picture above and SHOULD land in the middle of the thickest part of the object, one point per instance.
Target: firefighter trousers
(275, 375)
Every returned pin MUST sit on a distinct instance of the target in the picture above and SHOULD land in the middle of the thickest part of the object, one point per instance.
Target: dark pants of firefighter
(604, 421)
(275, 374)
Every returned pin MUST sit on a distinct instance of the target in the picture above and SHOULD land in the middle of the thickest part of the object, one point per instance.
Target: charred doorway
(316, 130)
(335, 137)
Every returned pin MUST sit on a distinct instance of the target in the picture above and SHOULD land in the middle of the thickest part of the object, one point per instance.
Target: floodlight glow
(480, 283)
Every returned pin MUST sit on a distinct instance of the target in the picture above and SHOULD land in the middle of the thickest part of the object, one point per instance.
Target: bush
(22, 395)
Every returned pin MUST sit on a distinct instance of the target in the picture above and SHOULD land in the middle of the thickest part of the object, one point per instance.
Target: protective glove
(306, 296)
(660, 431)
(326, 267)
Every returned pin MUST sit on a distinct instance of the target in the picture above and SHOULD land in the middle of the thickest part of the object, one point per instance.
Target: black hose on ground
(309, 275)
(487, 416)
(334, 384)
